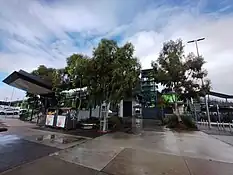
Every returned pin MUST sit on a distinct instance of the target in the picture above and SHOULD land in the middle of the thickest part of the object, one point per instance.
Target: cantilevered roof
(220, 95)
(29, 83)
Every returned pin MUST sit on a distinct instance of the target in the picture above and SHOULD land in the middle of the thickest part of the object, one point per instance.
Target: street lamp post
(202, 81)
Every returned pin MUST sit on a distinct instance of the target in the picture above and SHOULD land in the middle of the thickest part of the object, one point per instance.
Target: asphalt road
(15, 151)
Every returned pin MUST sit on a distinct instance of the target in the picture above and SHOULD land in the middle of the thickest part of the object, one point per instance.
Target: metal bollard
(218, 125)
(230, 127)
(223, 126)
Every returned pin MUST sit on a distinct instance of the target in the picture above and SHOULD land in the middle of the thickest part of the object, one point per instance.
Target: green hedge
(25, 116)
(171, 121)
(115, 123)
(187, 122)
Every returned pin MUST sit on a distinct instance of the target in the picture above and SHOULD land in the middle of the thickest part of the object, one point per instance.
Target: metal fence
(221, 127)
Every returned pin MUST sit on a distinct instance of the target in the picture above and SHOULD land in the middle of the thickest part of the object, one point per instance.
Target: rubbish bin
(66, 118)
(51, 117)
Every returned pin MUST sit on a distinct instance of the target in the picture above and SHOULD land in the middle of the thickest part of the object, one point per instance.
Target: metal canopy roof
(29, 83)
(220, 95)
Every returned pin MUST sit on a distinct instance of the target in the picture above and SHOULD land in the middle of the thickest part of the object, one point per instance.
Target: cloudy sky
(35, 32)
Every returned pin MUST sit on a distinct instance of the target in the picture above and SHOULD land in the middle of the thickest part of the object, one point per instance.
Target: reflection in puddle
(6, 139)
(62, 140)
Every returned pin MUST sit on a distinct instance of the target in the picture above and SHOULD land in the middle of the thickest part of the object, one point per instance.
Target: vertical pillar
(207, 111)
(121, 109)
(137, 120)
(218, 113)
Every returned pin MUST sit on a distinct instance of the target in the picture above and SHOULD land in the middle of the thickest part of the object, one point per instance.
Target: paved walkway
(15, 151)
(24, 130)
(152, 152)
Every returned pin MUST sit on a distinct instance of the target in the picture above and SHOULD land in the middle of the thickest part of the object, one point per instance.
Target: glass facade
(148, 88)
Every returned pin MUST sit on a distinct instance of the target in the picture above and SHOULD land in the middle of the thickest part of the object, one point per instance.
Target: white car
(9, 111)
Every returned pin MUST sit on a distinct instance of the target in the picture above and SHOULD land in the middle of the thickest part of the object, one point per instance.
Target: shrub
(25, 116)
(115, 122)
(172, 121)
(167, 118)
(188, 121)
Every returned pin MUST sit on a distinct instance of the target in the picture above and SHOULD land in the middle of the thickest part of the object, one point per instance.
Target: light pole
(12, 94)
(202, 81)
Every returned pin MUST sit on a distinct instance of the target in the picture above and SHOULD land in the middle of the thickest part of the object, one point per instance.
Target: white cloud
(35, 33)
(216, 48)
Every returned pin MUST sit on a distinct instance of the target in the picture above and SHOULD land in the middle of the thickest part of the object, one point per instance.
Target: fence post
(220, 126)
(223, 127)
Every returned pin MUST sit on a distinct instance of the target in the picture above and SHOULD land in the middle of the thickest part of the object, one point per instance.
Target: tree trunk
(176, 111)
(162, 113)
(100, 111)
(105, 116)
(90, 111)
(78, 105)
(34, 106)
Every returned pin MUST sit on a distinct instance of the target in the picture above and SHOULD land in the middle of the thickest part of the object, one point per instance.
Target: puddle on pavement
(6, 139)
(55, 139)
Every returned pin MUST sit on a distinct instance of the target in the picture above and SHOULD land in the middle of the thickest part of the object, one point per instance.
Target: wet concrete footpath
(152, 152)
(21, 144)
